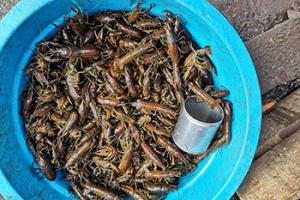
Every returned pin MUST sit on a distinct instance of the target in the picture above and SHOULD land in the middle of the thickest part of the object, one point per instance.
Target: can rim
(196, 121)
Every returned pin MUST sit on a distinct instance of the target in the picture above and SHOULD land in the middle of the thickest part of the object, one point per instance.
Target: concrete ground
(6, 5)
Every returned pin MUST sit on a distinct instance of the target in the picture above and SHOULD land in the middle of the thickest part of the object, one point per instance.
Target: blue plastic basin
(217, 177)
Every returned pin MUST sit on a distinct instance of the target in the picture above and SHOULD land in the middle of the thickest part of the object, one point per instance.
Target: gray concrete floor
(6, 5)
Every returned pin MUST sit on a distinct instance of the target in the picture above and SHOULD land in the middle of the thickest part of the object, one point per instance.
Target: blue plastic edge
(6, 190)
(242, 57)
(8, 27)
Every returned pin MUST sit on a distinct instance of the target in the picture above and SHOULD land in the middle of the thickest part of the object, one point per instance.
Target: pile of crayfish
(102, 99)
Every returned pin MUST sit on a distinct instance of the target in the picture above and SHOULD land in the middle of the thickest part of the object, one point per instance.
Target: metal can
(197, 125)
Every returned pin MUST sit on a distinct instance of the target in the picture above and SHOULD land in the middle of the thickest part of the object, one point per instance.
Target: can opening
(200, 111)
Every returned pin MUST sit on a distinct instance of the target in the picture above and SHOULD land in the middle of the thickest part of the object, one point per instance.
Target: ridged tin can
(197, 125)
